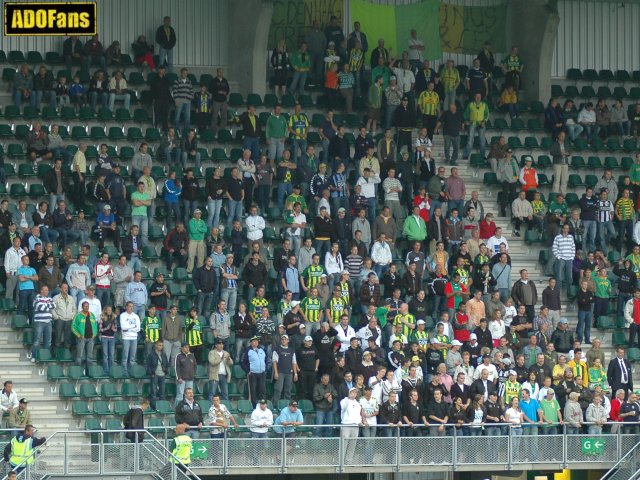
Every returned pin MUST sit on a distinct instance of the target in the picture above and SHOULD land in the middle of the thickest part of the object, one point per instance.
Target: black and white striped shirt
(43, 309)
(605, 210)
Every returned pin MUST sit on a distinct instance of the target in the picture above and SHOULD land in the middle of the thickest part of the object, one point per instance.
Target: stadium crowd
(389, 300)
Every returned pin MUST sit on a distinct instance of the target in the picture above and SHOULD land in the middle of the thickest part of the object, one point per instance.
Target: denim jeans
(253, 144)
(449, 143)
(108, 353)
(173, 214)
(574, 130)
(168, 54)
(182, 110)
(606, 232)
(173, 156)
(95, 96)
(128, 354)
(589, 235)
(84, 352)
(222, 383)
(230, 296)
(126, 99)
(473, 129)
(17, 99)
(104, 295)
(624, 128)
(157, 390)
(51, 94)
(25, 303)
(324, 418)
(143, 222)
(53, 201)
(196, 159)
(203, 302)
(213, 211)
(234, 212)
(275, 148)
(298, 144)
(188, 207)
(585, 319)
(134, 263)
(284, 190)
(181, 387)
(41, 336)
(297, 84)
(563, 272)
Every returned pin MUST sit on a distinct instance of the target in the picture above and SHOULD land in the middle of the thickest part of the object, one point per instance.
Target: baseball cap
(341, 210)
(456, 343)
(512, 372)
(563, 320)
(263, 401)
(301, 326)
(107, 207)
(284, 336)
(197, 210)
(255, 337)
(24, 400)
(295, 303)
(527, 158)
(473, 336)
(218, 342)
(392, 77)
(415, 358)
(308, 339)
(421, 322)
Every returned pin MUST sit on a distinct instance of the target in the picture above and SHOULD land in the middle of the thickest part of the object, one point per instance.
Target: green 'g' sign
(592, 446)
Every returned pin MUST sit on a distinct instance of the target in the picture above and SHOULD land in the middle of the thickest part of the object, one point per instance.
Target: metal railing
(628, 468)
(335, 448)
(398, 448)
(100, 453)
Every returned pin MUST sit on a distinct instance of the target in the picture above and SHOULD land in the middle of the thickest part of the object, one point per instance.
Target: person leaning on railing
(20, 451)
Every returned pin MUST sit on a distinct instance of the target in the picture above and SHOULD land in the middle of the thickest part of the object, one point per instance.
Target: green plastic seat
(80, 408)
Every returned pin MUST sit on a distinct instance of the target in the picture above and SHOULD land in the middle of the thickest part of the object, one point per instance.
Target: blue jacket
(171, 192)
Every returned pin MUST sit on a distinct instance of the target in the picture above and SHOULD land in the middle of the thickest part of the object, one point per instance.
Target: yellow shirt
(508, 97)
(79, 163)
(428, 102)
(450, 78)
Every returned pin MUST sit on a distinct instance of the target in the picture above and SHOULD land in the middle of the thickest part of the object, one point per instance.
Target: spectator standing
(220, 90)
(172, 334)
(197, 230)
(560, 154)
(27, 278)
(161, 94)
(476, 115)
(136, 294)
(166, 40)
(85, 328)
(183, 93)
(43, 306)
(63, 314)
(130, 327)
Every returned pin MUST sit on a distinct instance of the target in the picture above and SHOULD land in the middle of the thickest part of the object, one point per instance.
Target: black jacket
(50, 183)
(163, 41)
(127, 245)
(134, 420)
(176, 240)
(205, 280)
(152, 363)
(190, 416)
(190, 188)
(161, 89)
(477, 387)
(247, 128)
(255, 275)
(323, 227)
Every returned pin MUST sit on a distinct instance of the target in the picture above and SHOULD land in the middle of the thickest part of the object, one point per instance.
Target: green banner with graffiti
(292, 19)
(465, 29)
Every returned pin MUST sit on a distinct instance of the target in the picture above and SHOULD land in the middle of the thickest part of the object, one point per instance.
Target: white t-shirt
(130, 325)
(513, 416)
(415, 54)
(350, 411)
(369, 407)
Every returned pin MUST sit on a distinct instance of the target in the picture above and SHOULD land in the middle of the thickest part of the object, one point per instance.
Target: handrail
(25, 465)
(626, 457)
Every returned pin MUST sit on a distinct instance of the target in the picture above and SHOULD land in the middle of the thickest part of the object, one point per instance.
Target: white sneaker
(33, 360)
